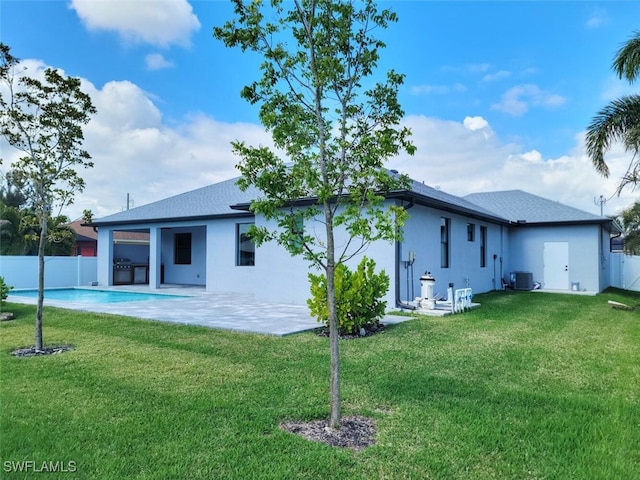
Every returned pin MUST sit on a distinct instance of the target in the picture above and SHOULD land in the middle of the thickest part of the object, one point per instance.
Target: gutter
(139, 221)
(400, 303)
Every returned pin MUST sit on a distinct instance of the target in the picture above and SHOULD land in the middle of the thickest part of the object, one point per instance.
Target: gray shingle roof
(516, 205)
(216, 201)
(211, 201)
(438, 198)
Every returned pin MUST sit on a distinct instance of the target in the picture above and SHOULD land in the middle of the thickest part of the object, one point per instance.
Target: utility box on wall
(521, 280)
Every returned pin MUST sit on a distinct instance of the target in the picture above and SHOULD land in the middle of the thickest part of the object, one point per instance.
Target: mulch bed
(355, 433)
(368, 331)
(32, 352)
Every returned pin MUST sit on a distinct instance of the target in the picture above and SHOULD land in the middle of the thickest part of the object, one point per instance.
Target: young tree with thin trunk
(43, 119)
(335, 128)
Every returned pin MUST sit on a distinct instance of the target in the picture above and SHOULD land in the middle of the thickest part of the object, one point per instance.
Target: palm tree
(629, 219)
(620, 119)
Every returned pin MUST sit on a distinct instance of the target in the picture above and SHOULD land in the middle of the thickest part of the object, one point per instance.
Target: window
(245, 248)
(483, 246)
(444, 242)
(182, 249)
(471, 232)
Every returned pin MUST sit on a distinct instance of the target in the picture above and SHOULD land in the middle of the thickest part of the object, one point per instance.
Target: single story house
(86, 242)
(478, 241)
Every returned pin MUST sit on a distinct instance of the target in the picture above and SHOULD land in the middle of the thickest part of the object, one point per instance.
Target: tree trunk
(335, 417)
(41, 246)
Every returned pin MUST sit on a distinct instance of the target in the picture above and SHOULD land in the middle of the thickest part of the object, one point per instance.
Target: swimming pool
(84, 295)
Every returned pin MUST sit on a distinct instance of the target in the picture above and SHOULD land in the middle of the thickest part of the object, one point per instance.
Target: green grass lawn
(530, 385)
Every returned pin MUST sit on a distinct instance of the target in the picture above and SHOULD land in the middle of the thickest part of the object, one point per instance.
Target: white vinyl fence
(625, 271)
(22, 271)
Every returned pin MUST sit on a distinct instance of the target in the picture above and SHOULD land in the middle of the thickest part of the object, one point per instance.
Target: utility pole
(129, 202)
(600, 201)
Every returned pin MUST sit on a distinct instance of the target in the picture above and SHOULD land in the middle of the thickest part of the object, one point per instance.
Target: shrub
(358, 296)
(4, 292)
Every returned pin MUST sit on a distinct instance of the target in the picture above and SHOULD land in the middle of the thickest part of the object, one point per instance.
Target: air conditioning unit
(522, 280)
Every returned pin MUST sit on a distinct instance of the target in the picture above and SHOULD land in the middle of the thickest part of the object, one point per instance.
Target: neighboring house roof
(86, 233)
(525, 208)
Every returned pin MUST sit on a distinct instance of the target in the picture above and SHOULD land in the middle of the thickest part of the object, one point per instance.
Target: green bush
(4, 292)
(358, 296)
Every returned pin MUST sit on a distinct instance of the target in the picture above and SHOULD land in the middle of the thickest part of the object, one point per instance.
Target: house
(200, 238)
(86, 241)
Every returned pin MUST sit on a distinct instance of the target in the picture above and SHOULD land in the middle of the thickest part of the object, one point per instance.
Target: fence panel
(625, 271)
(22, 271)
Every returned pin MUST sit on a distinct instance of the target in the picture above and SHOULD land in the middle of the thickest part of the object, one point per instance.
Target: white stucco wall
(585, 255)
(422, 236)
(194, 273)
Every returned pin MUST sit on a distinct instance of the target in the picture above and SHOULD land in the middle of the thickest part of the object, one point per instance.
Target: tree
(629, 219)
(43, 120)
(335, 128)
(620, 119)
(11, 192)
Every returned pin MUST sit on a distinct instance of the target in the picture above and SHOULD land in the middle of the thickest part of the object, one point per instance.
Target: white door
(556, 265)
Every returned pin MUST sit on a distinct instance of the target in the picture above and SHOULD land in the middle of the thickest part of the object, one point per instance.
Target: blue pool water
(93, 296)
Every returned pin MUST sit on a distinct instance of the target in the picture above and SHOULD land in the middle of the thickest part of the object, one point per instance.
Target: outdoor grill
(122, 272)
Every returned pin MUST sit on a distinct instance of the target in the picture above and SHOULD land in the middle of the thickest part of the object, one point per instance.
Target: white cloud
(499, 75)
(478, 67)
(517, 100)
(155, 61)
(475, 123)
(469, 68)
(437, 89)
(462, 160)
(136, 152)
(159, 22)
(598, 18)
(614, 88)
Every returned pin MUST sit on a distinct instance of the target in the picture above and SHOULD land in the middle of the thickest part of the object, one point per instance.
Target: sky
(497, 95)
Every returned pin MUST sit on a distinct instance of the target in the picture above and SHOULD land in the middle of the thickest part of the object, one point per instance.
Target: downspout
(400, 303)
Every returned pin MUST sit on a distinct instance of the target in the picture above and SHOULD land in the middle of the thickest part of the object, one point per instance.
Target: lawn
(528, 386)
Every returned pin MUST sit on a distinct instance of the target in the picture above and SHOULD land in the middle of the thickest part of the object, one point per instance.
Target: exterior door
(556, 265)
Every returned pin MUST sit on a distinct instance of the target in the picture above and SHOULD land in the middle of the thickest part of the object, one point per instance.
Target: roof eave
(445, 206)
(598, 221)
(146, 221)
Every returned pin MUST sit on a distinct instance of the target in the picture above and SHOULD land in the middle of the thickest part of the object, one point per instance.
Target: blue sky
(498, 94)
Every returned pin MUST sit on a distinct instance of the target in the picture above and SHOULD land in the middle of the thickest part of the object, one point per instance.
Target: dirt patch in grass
(366, 331)
(355, 433)
(32, 352)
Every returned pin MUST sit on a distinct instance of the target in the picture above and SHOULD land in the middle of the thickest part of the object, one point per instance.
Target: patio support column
(155, 243)
(105, 256)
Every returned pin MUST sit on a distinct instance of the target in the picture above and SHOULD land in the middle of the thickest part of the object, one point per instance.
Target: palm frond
(617, 121)
(627, 61)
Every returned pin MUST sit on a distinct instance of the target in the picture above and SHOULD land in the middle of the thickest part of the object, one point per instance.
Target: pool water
(93, 296)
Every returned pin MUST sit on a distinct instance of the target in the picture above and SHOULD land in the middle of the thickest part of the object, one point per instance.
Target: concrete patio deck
(229, 311)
